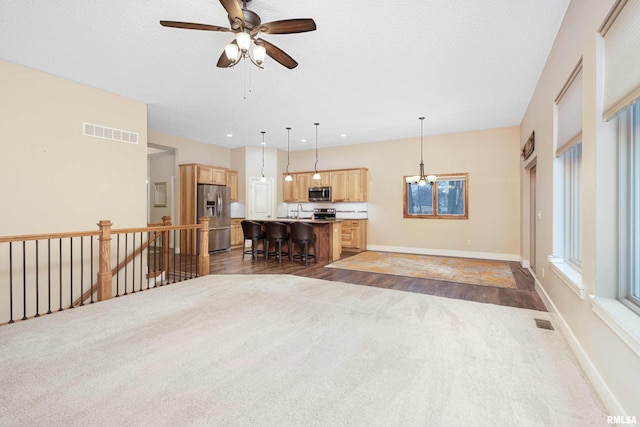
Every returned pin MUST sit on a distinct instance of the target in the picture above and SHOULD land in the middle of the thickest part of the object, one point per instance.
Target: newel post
(203, 258)
(105, 278)
(166, 249)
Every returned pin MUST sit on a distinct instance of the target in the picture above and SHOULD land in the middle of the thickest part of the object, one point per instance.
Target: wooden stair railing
(129, 258)
(105, 274)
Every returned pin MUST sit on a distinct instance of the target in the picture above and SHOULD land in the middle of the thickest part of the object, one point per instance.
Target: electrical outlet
(469, 242)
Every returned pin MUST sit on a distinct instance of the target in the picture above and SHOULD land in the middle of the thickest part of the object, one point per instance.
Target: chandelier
(421, 179)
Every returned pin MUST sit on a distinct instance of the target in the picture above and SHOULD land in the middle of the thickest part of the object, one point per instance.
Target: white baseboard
(525, 263)
(608, 399)
(445, 252)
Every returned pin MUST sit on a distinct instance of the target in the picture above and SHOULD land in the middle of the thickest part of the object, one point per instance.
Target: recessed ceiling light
(229, 135)
(344, 135)
(303, 140)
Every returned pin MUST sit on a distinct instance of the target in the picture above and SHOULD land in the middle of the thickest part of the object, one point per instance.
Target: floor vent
(544, 324)
(90, 129)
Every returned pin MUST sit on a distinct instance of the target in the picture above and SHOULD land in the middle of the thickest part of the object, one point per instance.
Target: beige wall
(161, 169)
(52, 178)
(491, 157)
(189, 151)
(612, 365)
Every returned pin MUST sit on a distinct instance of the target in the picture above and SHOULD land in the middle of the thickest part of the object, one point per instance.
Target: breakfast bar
(328, 236)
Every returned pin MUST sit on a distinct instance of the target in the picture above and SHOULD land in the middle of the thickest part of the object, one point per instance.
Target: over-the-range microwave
(319, 194)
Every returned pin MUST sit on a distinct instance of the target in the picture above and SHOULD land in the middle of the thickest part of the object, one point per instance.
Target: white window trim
(623, 321)
(567, 275)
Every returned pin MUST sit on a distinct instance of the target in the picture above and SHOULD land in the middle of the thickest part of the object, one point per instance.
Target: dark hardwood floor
(524, 296)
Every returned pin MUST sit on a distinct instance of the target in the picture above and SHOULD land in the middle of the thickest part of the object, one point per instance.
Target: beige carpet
(461, 270)
(279, 350)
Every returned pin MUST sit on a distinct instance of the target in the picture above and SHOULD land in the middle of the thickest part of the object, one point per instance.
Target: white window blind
(569, 110)
(621, 32)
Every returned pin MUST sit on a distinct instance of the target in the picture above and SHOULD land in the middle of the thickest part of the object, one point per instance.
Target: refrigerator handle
(219, 205)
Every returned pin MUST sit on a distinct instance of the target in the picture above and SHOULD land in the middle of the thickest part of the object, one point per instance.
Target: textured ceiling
(369, 71)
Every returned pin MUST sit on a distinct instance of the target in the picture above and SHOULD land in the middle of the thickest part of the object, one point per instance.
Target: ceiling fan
(248, 28)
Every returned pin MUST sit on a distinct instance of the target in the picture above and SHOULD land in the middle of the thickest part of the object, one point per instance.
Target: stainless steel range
(324, 213)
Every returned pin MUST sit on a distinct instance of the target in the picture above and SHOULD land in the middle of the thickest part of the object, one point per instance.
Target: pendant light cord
(316, 165)
(421, 135)
(263, 144)
(288, 149)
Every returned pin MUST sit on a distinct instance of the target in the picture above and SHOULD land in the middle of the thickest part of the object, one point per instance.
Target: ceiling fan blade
(233, 10)
(278, 54)
(193, 26)
(224, 61)
(288, 26)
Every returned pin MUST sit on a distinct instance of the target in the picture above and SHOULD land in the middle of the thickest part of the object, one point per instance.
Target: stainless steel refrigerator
(214, 201)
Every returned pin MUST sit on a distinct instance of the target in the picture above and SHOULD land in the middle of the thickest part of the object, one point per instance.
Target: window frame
(572, 206)
(434, 201)
(629, 206)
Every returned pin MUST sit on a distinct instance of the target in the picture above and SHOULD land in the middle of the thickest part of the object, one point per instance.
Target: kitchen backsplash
(344, 210)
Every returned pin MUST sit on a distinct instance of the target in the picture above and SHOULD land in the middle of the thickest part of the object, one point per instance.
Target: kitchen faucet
(299, 209)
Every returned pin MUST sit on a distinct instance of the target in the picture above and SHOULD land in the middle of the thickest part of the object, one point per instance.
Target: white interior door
(261, 201)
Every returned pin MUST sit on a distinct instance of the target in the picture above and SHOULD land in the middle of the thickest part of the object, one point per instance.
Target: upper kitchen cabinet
(349, 185)
(232, 182)
(298, 189)
(324, 181)
(211, 175)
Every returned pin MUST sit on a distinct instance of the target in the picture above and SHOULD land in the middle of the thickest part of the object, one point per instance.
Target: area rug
(461, 270)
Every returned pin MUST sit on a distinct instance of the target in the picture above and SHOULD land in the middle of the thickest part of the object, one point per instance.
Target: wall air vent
(90, 129)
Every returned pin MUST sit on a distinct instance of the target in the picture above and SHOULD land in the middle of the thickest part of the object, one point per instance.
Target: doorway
(532, 218)
(260, 206)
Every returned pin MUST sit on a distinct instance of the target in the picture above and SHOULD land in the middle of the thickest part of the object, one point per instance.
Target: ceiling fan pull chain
(244, 79)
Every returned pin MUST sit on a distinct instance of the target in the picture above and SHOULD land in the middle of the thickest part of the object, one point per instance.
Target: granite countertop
(308, 220)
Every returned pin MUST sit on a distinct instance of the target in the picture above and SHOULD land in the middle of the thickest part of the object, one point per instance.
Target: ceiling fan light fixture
(231, 50)
(244, 41)
(259, 53)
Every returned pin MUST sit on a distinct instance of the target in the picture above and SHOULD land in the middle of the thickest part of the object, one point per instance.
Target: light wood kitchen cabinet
(232, 183)
(298, 189)
(211, 175)
(349, 185)
(237, 236)
(354, 235)
(324, 181)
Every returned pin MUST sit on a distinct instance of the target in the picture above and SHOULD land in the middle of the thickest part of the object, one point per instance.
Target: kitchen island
(328, 236)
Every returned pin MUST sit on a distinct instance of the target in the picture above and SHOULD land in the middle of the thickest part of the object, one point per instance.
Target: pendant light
(316, 176)
(288, 178)
(263, 179)
(421, 179)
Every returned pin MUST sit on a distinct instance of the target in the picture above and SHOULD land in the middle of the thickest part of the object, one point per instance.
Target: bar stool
(252, 231)
(278, 234)
(303, 234)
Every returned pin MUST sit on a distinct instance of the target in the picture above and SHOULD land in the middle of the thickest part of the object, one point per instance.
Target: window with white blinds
(621, 33)
(569, 182)
(569, 112)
